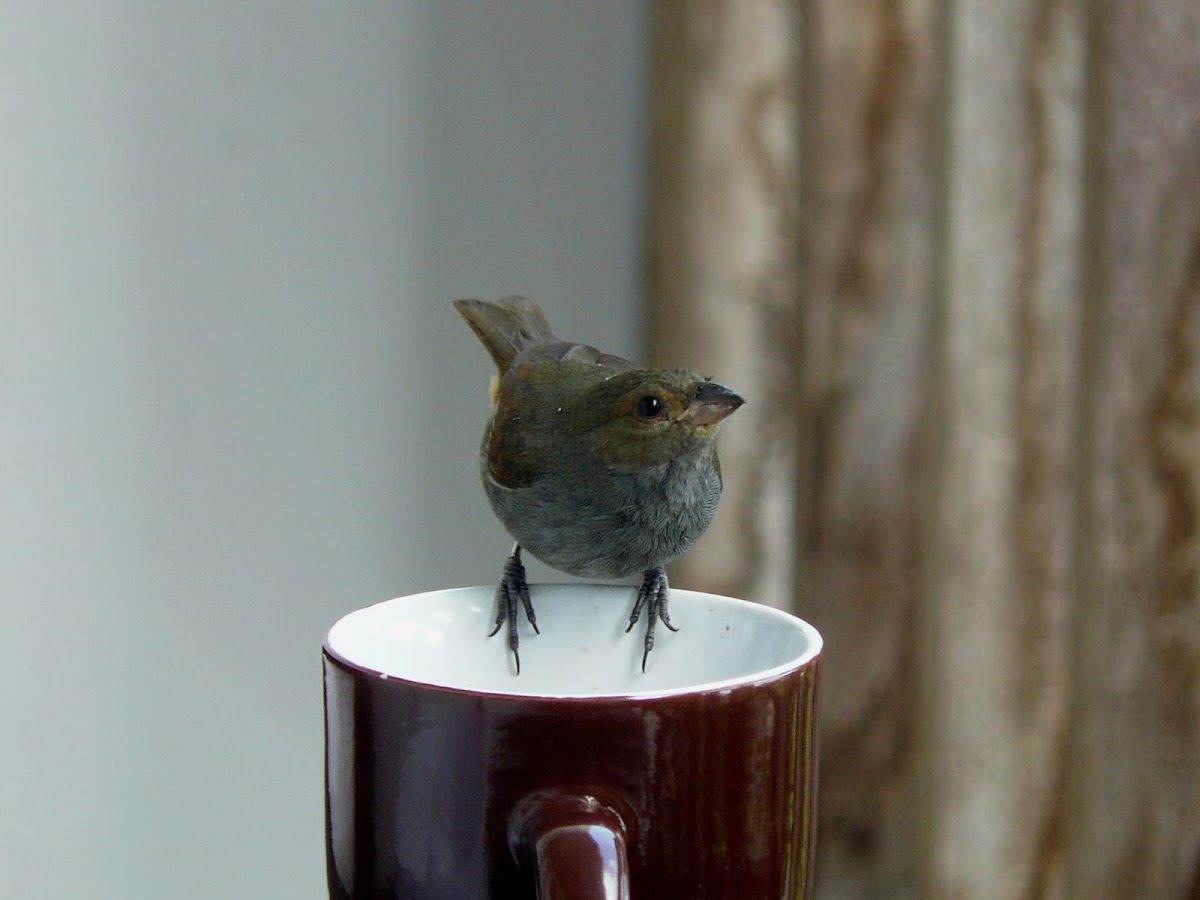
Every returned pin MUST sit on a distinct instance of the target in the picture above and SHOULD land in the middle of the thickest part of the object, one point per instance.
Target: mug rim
(814, 644)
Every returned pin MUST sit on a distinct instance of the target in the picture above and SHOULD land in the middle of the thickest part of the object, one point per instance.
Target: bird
(596, 466)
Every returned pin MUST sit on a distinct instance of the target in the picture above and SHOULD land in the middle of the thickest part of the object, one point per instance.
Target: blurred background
(236, 403)
(950, 251)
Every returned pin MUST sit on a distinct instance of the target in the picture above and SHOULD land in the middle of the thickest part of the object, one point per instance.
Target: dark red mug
(448, 776)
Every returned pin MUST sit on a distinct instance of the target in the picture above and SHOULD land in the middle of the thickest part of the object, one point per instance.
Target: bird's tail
(506, 326)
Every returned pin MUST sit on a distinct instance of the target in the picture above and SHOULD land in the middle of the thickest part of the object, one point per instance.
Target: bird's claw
(653, 595)
(512, 588)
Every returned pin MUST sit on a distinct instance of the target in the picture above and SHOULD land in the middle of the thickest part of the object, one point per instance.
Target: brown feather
(506, 327)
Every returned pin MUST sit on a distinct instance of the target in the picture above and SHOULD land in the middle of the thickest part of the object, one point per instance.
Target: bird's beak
(712, 403)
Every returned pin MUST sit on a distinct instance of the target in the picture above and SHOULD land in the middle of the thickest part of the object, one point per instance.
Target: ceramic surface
(449, 776)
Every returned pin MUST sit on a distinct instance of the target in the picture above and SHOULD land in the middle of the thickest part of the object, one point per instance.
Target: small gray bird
(597, 467)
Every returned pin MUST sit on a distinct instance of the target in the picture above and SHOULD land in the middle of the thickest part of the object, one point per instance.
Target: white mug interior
(441, 638)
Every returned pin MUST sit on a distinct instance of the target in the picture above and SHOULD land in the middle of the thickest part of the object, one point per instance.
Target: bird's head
(648, 417)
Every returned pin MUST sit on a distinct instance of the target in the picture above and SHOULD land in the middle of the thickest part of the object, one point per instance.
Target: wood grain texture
(998, 592)
(968, 323)
(721, 238)
(1135, 735)
(867, 195)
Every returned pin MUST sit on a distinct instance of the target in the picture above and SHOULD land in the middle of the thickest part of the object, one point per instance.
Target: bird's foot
(512, 588)
(653, 595)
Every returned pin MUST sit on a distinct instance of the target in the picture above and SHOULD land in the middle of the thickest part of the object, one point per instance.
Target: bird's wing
(580, 353)
(513, 457)
(508, 461)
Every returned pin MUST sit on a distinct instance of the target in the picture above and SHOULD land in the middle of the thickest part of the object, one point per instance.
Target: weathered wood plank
(1134, 827)
(998, 573)
(976, 374)
(866, 221)
(723, 119)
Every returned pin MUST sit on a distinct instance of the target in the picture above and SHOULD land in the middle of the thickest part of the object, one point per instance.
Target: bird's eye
(649, 407)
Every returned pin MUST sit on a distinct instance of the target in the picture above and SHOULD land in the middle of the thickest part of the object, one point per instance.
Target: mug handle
(575, 844)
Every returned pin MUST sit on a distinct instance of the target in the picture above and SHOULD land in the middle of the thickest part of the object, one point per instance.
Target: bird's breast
(596, 522)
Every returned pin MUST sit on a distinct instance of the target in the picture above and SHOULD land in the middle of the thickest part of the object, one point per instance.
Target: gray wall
(234, 400)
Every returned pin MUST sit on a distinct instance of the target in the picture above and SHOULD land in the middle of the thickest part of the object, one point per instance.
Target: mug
(450, 777)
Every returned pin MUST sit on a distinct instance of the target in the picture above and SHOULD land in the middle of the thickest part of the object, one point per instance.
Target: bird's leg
(653, 595)
(512, 588)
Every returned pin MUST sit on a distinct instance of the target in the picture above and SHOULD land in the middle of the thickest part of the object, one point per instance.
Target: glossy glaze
(713, 790)
(581, 862)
